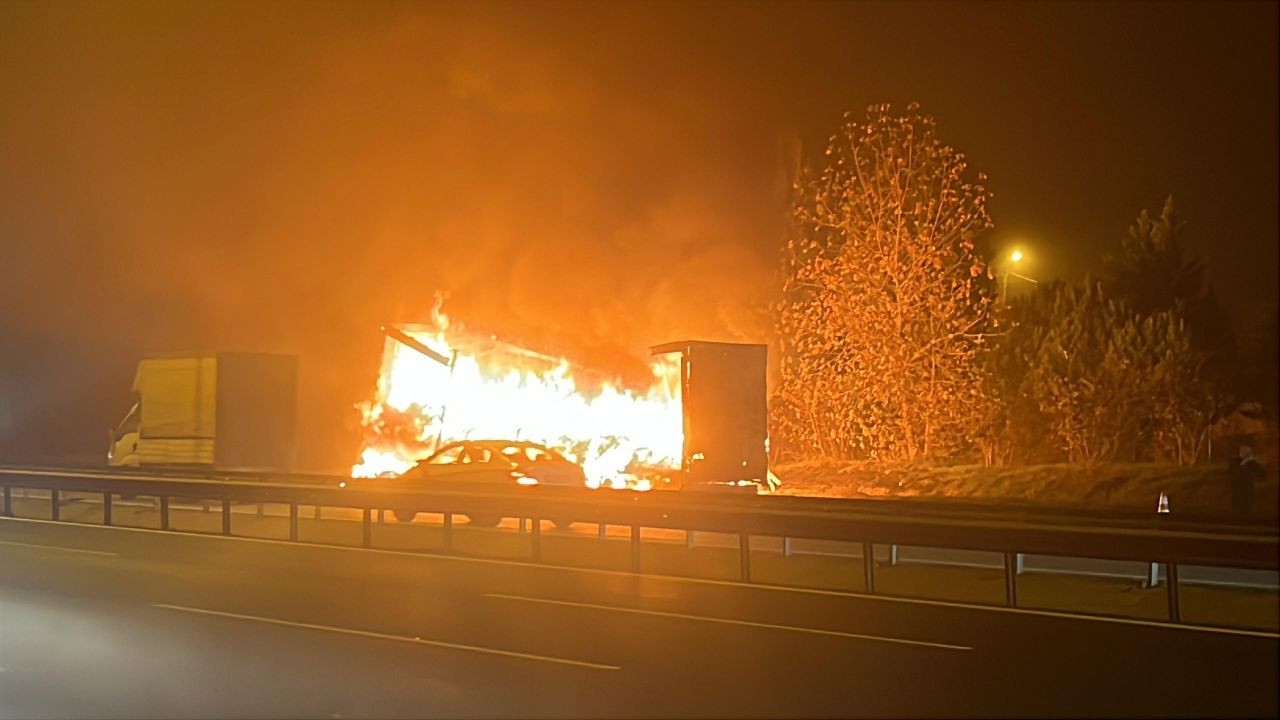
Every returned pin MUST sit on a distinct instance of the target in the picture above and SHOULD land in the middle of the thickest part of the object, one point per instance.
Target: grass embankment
(1199, 490)
(664, 552)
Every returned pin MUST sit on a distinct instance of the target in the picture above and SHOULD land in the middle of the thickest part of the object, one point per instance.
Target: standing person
(1244, 471)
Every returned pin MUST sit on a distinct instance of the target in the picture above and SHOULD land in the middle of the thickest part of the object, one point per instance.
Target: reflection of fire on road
(439, 384)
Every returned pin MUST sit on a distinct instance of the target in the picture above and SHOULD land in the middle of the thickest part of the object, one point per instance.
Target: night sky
(590, 179)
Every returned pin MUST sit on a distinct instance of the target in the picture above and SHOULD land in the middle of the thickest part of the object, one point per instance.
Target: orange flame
(499, 391)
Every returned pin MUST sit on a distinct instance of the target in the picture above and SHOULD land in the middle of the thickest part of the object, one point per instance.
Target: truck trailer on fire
(222, 411)
(726, 418)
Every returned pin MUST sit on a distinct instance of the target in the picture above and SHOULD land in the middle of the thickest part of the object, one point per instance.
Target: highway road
(1189, 574)
(109, 622)
(1071, 584)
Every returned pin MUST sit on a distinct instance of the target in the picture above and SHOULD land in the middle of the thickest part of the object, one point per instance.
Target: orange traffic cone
(1162, 507)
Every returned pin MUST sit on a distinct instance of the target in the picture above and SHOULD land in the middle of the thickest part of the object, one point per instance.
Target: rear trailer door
(257, 411)
(724, 403)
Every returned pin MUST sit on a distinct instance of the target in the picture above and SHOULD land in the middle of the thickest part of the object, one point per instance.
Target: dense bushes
(894, 346)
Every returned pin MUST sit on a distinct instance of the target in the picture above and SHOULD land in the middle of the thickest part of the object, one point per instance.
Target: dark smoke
(586, 179)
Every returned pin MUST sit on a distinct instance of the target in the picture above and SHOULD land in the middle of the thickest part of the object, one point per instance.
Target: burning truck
(700, 424)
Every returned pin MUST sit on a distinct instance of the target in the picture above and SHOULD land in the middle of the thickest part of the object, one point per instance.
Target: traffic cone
(1162, 507)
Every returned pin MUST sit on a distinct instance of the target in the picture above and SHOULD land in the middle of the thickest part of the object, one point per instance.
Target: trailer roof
(684, 346)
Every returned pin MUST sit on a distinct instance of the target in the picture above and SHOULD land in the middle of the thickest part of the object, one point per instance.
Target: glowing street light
(1015, 257)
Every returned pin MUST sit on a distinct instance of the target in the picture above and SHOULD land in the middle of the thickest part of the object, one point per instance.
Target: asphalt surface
(34, 504)
(110, 622)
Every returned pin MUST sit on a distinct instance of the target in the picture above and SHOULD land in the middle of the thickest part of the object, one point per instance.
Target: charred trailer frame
(724, 406)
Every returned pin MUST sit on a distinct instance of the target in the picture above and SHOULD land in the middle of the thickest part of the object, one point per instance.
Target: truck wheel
(484, 520)
(404, 516)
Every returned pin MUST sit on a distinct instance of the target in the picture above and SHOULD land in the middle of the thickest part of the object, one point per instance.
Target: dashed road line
(386, 636)
(729, 621)
(58, 547)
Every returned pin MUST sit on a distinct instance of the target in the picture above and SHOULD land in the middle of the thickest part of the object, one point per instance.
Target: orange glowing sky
(587, 178)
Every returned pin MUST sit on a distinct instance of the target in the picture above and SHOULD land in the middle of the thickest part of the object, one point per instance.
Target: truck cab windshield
(129, 424)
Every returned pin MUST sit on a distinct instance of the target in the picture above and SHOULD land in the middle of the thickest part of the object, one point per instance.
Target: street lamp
(1015, 257)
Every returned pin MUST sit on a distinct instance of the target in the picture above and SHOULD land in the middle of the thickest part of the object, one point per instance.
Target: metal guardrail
(1005, 509)
(1153, 540)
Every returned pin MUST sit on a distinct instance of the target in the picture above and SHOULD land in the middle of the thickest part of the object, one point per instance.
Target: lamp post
(1015, 257)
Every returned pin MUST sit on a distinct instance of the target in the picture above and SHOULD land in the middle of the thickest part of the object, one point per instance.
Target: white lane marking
(1080, 617)
(385, 636)
(58, 547)
(728, 621)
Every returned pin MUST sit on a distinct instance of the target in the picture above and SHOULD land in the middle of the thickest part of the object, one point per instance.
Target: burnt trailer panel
(257, 411)
(724, 406)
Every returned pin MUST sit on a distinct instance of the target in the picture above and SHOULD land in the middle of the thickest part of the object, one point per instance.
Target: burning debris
(440, 384)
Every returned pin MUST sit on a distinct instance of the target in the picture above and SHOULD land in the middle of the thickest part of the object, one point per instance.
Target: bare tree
(885, 299)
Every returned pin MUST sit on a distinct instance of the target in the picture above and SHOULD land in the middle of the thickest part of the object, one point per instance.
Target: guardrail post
(106, 508)
(315, 512)
(601, 530)
(635, 548)
(1171, 579)
(293, 522)
(366, 527)
(1153, 575)
(535, 528)
(226, 516)
(786, 547)
(1011, 568)
(869, 566)
(1021, 561)
(164, 512)
(744, 556)
(54, 509)
(448, 532)
(521, 530)
(688, 539)
(8, 502)
(893, 556)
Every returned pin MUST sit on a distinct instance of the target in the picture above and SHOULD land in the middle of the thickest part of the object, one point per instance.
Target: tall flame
(497, 391)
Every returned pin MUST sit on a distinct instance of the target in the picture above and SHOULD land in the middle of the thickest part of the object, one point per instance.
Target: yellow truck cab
(224, 410)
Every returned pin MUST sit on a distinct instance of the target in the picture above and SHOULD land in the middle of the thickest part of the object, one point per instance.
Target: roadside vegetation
(908, 368)
(1200, 490)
